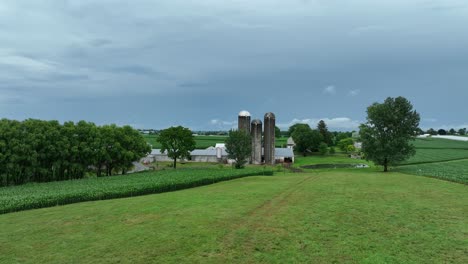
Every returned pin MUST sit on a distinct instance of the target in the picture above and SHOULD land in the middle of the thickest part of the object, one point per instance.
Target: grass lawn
(339, 158)
(347, 216)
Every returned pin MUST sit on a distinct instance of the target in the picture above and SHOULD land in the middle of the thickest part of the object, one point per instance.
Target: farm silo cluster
(255, 129)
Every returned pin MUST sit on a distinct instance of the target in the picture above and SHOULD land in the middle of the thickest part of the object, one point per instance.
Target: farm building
(212, 154)
(290, 143)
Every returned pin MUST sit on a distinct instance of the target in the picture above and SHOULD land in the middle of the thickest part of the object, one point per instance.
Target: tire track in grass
(253, 220)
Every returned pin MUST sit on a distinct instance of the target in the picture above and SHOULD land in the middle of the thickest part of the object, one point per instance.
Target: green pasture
(424, 155)
(346, 216)
(39, 195)
(439, 143)
(439, 158)
(456, 171)
(339, 158)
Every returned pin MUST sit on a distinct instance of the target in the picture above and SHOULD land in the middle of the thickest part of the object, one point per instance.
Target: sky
(198, 63)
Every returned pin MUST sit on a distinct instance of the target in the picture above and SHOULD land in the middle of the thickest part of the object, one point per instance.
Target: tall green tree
(323, 129)
(277, 132)
(390, 127)
(295, 126)
(239, 147)
(306, 139)
(462, 131)
(178, 142)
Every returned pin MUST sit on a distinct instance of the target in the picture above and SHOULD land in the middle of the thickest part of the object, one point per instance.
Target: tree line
(40, 151)
(320, 139)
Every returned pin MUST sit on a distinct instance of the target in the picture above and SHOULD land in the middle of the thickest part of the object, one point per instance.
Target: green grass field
(339, 158)
(323, 217)
(39, 195)
(439, 158)
(203, 142)
(439, 143)
(437, 155)
(456, 171)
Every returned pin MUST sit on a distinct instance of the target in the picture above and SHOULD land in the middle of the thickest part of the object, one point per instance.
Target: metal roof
(244, 113)
(284, 153)
(279, 152)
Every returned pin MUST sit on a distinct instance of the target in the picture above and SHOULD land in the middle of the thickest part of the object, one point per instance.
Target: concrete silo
(256, 134)
(244, 121)
(269, 138)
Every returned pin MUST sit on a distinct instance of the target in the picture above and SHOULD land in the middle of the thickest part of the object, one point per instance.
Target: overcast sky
(197, 63)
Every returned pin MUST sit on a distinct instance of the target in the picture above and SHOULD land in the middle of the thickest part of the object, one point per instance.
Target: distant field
(424, 155)
(456, 171)
(439, 158)
(204, 142)
(439, 143)
(327, 159)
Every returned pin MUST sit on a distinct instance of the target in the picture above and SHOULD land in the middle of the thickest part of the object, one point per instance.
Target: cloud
(27, 64)
(331, 90)
(354, 92)
(432, 120)
(223, 125)
(337, 123)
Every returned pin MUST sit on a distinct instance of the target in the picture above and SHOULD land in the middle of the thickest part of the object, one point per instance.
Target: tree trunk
(385, 165)
(175, 160)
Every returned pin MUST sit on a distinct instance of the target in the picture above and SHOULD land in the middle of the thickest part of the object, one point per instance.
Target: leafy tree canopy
(326, 135)
(298, 125)
(178, 142)
(388, 131)
(239, 147)
(306, 139)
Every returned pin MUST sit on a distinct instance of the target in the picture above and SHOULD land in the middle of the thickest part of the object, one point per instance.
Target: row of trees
(320, 139)
(39, 151)
(443, 132)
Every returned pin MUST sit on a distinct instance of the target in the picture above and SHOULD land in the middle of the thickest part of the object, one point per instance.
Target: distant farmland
(204, 142)
(439, 158)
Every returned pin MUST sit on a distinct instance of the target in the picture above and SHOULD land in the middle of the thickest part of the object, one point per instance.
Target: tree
(431, 132)
(323, 148)
(462, 131)
(277, 132)
(178, 142)
(239, 147)
(388, 131)
(322, 128)
(452, 132)
(442, 132)
(306, 139)
(298, 125)
(344, 143)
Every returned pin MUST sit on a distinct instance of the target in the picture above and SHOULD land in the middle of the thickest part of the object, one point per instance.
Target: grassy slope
(40, 195)
(321, 217)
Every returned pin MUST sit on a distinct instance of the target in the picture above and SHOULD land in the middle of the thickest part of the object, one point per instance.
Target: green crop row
(439, 143)
(456, 171)
(437, 155)
(39, 195)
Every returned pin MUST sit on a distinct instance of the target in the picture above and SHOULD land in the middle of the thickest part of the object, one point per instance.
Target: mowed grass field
(203, 142)
(346, 216)
(439, 158)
